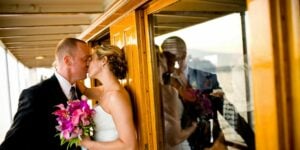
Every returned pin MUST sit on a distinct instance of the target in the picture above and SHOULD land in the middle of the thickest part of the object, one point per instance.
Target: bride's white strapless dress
(105, 129)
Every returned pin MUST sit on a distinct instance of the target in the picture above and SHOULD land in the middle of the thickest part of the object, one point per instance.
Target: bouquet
(74, 121)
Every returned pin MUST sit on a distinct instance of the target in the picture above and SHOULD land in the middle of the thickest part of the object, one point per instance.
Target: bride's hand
(85, 141)
(81, 86)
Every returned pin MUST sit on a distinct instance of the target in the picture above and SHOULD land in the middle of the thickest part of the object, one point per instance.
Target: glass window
(22, 76)
(14, 84)
(4, 102)
(204, 76)
(17, 77)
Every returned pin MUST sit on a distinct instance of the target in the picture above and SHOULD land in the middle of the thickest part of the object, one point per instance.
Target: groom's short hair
(66, 46)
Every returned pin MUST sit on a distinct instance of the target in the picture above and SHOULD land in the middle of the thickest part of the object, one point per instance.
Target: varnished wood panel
(274, 46)
(293, 26)
(124, 34)
(263, 75)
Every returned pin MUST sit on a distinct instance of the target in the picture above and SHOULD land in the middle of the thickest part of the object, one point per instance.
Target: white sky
(218, 35)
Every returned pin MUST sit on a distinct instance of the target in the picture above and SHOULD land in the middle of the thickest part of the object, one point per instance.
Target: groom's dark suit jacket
(34, 124)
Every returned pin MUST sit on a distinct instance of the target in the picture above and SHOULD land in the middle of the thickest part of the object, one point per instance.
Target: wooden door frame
(138, 86)
(275, 64)
(154, 92)
(285, 28)
(273, 105)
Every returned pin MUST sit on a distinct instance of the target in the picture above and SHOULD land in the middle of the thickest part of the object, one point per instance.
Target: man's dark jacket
(34, 124)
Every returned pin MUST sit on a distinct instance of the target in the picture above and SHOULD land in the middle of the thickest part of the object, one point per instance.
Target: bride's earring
(176, 65)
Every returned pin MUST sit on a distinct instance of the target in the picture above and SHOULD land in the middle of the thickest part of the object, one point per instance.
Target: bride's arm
(174, 133)
(92, 93)
(121, 111)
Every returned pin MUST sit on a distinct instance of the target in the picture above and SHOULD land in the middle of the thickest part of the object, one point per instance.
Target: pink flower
(74, 121)
(76, 115)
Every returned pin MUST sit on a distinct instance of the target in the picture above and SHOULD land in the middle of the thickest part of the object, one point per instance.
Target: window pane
(13, 81)
(204, 79)
(4, 102)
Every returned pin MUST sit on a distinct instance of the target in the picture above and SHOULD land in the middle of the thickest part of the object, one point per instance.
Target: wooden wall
(124, 34)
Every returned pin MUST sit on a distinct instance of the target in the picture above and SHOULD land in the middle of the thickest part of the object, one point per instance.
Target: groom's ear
(67, 60)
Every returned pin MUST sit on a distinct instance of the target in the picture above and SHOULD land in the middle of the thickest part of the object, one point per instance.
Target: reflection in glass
(206, 78)
(171, 63)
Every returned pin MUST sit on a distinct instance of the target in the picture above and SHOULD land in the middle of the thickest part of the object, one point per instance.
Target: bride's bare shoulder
(117, 95)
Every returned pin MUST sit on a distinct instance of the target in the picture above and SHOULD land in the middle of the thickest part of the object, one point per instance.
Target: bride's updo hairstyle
(115, 57)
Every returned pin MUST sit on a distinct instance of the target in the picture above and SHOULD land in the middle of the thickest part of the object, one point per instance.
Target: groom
(34, 124)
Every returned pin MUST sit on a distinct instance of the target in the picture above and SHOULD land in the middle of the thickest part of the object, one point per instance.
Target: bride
(114, 120)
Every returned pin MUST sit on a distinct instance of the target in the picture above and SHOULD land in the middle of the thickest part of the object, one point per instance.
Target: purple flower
(74, 121)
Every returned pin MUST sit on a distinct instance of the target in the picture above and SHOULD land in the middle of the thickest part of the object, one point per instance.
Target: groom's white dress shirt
(64, 84)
